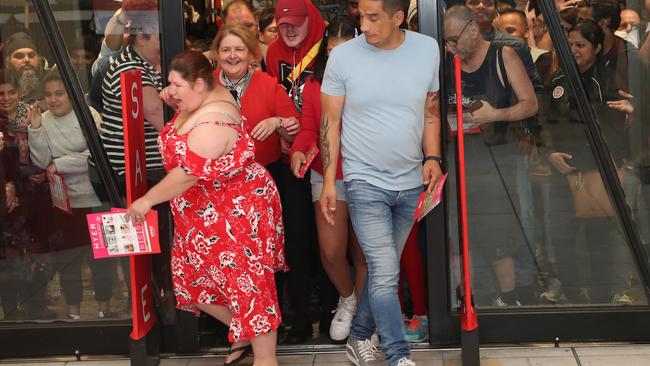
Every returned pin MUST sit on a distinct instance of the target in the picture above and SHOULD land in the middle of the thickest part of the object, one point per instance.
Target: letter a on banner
(136, 178)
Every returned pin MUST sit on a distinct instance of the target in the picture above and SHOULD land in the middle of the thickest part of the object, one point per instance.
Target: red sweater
(265, 98)
(310, 126)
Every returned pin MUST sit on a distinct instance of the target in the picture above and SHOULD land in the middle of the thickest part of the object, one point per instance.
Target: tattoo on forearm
(432, 108)
(324, 144)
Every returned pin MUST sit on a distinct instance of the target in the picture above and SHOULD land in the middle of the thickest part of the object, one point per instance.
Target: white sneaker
(405, 362)
(340, 326)
(361, 353)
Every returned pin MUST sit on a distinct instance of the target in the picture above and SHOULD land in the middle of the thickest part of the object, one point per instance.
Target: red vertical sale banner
(142, 305)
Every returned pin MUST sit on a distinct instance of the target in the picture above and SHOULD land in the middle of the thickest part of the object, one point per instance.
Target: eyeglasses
(22, 55)
(453, 41)
(474, 3)
(353, 4)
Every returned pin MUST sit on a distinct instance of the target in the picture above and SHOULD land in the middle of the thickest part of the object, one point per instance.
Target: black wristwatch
(433, 157)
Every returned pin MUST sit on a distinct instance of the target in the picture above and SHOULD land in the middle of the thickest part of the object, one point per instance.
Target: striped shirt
(111, 131)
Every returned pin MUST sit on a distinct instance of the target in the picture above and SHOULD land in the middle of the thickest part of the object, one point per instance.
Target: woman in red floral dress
(229, 237)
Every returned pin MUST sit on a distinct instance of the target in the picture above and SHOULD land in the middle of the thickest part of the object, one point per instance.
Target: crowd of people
(259, 230)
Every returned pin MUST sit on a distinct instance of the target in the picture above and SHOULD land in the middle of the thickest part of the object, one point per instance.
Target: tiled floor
(583, 355)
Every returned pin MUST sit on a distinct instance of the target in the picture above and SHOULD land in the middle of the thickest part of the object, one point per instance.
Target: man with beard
(23, 60)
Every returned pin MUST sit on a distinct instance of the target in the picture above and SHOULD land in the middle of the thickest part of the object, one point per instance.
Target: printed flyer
(428, 201)
(111, 235)
(310, 155)
(59, 193)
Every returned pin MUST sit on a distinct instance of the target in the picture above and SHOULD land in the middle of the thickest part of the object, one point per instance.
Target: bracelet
(433, 157)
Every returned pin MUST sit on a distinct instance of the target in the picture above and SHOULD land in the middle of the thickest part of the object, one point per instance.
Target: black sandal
(245, 350)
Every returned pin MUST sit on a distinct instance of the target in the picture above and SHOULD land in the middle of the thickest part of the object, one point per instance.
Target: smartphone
(474, 106)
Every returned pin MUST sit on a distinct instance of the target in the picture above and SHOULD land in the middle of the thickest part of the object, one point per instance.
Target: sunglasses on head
(22, 55)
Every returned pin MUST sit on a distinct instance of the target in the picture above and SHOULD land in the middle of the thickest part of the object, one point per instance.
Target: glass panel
(541, 228)
(47, 271)
(637, 171)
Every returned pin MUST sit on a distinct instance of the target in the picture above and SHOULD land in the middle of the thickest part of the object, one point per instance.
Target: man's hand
(328, 202)
(568, 4)
(2, 141)
(483, 115)
(297, 160)
(431, 173)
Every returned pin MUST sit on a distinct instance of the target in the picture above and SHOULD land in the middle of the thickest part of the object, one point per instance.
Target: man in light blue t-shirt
(383, 87)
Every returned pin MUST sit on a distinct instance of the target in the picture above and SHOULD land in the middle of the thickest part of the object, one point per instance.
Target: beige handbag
(589, 194)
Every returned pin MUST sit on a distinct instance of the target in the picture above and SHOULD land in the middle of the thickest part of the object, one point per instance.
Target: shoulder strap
(223, 101)
(217, 123)
(218, 112)
(501, 68)
(298, 69)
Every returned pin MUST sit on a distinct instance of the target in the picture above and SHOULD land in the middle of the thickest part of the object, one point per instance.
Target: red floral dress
(229, 236)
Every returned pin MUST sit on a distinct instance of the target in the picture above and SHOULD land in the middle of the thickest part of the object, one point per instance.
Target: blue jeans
(382, 220)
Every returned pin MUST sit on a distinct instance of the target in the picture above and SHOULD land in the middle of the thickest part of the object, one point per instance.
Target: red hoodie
(281, 60)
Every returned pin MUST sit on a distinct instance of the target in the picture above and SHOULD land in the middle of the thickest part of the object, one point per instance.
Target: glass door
(551, 255)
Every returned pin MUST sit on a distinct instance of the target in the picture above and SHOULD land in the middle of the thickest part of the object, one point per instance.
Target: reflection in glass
(46, 267)
(542, 227)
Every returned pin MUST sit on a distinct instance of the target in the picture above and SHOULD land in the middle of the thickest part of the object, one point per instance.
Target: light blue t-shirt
(383, 114)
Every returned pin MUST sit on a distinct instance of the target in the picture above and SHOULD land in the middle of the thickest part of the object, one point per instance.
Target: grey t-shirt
(383, 114)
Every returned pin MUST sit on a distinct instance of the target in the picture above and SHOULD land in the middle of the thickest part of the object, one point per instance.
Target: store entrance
(542, 269)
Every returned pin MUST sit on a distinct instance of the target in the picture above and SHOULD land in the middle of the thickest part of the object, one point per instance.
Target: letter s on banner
(136, 103)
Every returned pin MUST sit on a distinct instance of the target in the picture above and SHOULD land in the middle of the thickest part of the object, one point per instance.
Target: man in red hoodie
(301, 29)
(290, 58)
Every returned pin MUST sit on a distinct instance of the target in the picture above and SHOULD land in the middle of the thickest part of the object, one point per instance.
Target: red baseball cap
(292, 12)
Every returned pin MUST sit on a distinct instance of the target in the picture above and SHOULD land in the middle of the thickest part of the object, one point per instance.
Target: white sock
(351, 298)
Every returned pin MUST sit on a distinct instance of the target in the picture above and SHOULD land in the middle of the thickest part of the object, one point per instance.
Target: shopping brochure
(428, 201)
(112, 235)
(468, 128)
(59, 193)
(310, 155)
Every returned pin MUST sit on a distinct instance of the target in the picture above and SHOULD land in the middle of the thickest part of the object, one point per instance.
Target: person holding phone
(492, 76)
(570, 154)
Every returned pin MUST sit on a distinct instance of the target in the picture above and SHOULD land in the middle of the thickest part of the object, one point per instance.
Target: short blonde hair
(240, 32)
